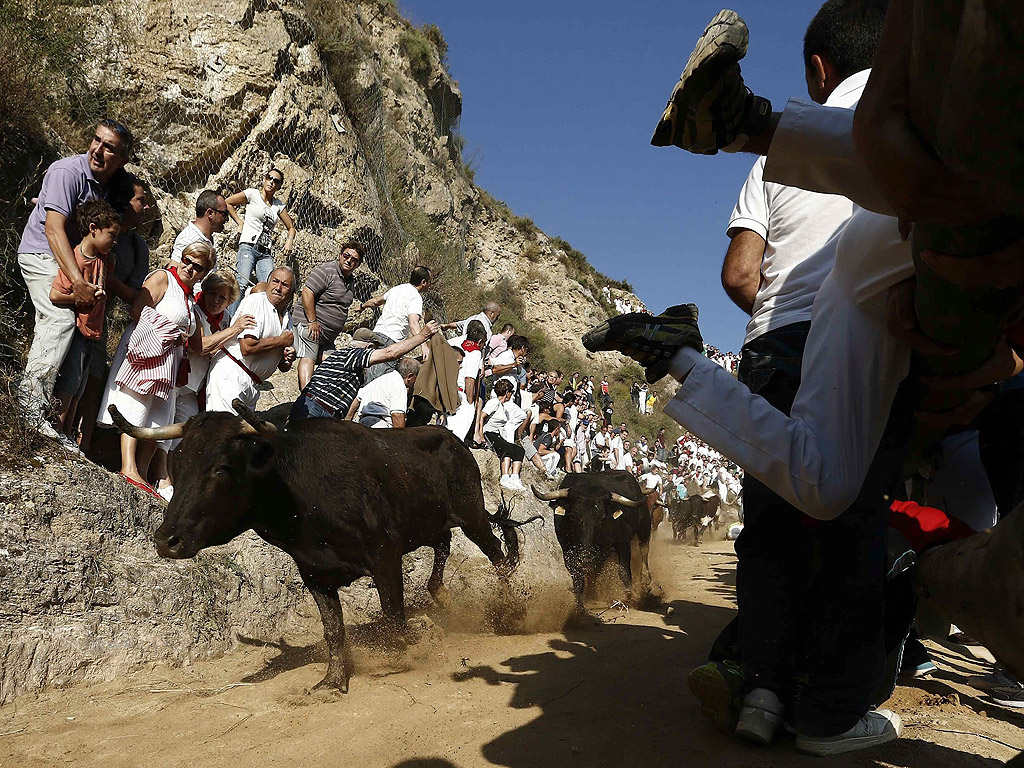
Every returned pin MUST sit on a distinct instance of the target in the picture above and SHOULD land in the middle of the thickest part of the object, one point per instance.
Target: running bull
(343, 500)
(597, 515)
(697, 512)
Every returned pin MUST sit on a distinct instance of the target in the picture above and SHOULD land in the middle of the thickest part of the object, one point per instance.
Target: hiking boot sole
(709, 686)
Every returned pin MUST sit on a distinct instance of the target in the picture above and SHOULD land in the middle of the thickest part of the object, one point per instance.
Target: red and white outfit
(233, 374)
(141, 380)
(460, 421)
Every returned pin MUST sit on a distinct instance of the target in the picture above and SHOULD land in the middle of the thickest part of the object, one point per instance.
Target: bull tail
(502, 519)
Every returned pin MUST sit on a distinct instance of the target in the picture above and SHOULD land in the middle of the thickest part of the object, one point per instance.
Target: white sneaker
(65, 442)
(517, 482)
(167, 492)
(760, 716)
(506, 482)
(877, 727)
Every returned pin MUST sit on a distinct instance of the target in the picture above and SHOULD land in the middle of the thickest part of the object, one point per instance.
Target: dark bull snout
(169, 546)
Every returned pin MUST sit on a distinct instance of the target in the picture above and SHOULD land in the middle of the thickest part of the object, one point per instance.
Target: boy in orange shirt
(98, 224)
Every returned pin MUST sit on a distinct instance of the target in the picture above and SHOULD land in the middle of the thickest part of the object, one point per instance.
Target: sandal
(141, 486)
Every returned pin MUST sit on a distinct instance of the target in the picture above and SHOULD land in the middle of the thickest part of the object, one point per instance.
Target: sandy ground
(611, 695)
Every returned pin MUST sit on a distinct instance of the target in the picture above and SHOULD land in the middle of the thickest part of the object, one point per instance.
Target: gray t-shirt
(332, 294)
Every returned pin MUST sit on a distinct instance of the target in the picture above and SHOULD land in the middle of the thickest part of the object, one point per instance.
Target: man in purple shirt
(48, 244)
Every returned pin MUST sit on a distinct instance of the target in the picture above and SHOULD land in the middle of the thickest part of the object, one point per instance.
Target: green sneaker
(710, 107)
(651, 340)
(719, 689)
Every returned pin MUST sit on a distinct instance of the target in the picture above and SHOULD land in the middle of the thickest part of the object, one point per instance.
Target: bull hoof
(332, 683)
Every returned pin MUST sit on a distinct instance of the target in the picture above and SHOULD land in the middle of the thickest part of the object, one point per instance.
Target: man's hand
(244, 321)
(289, 355)
(902, 320)
(287, 338)
(85, 293)
(432, 327)
(999, 269)
(1003, 364)
(314, 330)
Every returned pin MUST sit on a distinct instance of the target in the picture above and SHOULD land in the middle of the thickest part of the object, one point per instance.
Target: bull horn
(561, 493)
(254, 424)
(170, 432)
(622, 501)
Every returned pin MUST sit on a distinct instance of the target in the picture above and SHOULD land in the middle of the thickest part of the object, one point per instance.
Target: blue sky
(559, 103)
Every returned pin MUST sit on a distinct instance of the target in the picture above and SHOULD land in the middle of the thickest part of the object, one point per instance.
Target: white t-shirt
(507, 357)
(470, 367)
(400, 302)
(650, 481)
(797, 227)
(199, 365)
(495, 415)
(260, 220)
(388, 390)
(268, 323)
(626, 462)
(187, 236)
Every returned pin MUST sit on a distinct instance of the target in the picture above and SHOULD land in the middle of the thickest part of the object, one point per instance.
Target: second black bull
(343, 500)
(598, 515)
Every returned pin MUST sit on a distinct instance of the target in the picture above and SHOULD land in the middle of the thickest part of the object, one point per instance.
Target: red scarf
(470, 346)
(213, 320)
(185, 288)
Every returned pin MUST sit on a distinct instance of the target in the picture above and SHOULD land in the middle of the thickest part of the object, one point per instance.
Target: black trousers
(811, 593)
(1001, 444)
(503, 448)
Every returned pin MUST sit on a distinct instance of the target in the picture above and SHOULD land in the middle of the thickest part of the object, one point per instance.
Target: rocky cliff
(355, 105)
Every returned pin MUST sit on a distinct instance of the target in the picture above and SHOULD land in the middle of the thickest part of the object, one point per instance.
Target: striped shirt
(149, 366)
(337, 379)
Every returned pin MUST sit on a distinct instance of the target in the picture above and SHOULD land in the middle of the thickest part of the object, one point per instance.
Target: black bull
(343, 500)
(691, 513)
(598, 514)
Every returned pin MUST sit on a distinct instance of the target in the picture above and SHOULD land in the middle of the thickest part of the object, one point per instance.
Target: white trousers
(817, 457)
(460, 421)
(51, 338)
(550, 461)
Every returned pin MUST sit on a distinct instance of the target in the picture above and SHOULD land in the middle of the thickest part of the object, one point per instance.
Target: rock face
(84, 596)
(217, 92)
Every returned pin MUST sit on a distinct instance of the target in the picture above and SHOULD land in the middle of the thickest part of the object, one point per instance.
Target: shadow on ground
(617, 695)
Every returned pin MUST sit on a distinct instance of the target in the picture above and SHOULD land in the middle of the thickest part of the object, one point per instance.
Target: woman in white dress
(218, 291)
(262, 211)
(149, 402)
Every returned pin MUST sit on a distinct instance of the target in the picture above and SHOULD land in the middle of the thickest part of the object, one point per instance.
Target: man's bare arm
(251, 346)
(395, 351)
(741, 270)
(64, 252)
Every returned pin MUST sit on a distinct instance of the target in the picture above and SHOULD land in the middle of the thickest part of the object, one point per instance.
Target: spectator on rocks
(584, 439)
(322, 310)
(498, 342)
(219, 290)
(383, 402)
(626, 456)
(246, 361)
(659, 445)
(548, 446)
(602, 448)
(468, 377)
(47, 245)
(99, 224)
(211, 216)
(401, 317)
(262, 212)
(148, 361)
(496, 418)
(605, 393)
(338, 379)
(487, 317)
(642, 399)
(131, 265)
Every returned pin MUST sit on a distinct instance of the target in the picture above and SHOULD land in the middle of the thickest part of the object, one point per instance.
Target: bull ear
(262, 457)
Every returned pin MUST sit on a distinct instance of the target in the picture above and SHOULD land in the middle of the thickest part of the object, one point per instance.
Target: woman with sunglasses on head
(150, 361)
(262, 210)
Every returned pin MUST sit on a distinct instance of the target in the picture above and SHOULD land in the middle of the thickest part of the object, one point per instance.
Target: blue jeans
(248, 256)
(307, 408)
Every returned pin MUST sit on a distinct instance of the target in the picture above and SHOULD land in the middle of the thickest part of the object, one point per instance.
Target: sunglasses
(274, 179)
(195, 266)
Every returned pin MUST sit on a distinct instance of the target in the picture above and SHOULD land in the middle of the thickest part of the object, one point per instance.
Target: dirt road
(612, 695)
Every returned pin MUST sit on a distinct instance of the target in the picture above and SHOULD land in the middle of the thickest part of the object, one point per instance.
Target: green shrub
(532, 252)
(433, 34)
(416, 49)
(523, 225)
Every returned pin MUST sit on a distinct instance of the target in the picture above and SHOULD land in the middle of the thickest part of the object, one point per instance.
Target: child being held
(99, 224)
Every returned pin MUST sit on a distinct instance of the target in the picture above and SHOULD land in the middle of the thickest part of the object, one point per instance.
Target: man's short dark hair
(123, 190)
(207, 201)
(354, 245)
(503, 387)
(846, 32)
(98, 213)
(475, 331)
(419, 274)
(518, 342)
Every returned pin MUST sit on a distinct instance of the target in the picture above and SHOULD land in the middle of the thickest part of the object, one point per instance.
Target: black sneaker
(651, 340)
(710, 107)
